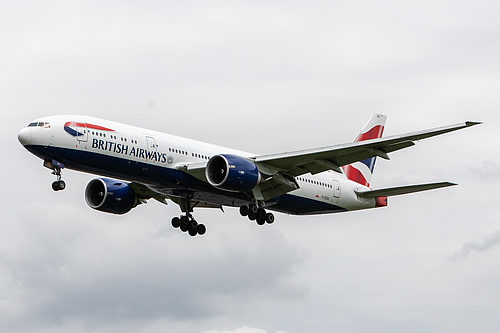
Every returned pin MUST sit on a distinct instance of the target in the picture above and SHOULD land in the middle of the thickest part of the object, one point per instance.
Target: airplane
(137, 164)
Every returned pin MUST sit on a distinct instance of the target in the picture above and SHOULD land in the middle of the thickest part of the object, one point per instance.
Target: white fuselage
(156, 159)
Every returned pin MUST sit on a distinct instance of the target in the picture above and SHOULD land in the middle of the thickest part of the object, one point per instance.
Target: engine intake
(232, 173)
(110, 196)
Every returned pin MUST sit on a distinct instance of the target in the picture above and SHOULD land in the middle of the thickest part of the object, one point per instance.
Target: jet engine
(232, 173)
(110, 196)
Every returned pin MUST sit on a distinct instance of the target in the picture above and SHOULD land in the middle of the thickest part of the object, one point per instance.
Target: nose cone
(24, 136)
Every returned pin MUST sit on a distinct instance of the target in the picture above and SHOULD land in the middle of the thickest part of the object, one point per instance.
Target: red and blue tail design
(361, 172)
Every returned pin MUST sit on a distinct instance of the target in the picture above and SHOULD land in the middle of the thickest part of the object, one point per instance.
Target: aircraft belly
(172, 182)
(163, 180)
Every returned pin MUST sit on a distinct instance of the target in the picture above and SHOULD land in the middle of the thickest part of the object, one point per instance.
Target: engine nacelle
(232, 173)
(110, 196)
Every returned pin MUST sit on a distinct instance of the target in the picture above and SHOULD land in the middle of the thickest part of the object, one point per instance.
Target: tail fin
(361, 172)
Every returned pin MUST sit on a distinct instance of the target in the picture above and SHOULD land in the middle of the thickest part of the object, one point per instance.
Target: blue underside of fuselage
(171, 181)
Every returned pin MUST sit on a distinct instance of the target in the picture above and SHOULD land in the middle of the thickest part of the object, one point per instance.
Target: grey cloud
(79, 269)
(263, 77)
(244, 329)
(488, 242)
(488, 171)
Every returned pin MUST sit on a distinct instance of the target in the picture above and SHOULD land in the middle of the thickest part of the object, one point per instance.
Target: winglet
(472, 123)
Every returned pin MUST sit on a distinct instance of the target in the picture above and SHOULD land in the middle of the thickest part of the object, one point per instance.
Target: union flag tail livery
(361, 172)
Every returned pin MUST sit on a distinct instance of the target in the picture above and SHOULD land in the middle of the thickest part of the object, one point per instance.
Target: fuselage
(156, 160)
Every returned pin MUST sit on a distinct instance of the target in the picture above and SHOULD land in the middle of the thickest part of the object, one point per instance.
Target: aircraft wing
(333, 157)
(400, 190)
(279, 170)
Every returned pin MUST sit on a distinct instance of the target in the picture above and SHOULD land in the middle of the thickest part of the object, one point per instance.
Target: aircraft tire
(261, 213)
(244, 210)
(269, 218)
(201, 229)
(61, 184)
(253, 209)
(176, 222)
(260, 221)
(192, 225)
(55, 186)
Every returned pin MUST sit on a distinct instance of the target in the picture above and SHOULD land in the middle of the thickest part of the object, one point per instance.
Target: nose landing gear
(56, 167)
(59, 184)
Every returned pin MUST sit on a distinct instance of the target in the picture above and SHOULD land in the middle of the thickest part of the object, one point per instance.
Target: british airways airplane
(142, 164)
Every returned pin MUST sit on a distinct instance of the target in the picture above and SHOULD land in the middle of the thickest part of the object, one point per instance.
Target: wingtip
(472, 123)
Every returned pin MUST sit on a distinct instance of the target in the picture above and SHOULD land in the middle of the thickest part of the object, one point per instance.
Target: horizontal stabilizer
(399, 190)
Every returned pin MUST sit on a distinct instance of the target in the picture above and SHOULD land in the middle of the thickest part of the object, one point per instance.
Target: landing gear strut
(59, 184)
(256, 213)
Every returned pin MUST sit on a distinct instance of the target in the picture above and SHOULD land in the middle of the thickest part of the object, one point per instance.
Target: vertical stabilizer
(361, 172)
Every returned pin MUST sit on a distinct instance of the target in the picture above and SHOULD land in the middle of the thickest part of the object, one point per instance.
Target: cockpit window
(40, 124)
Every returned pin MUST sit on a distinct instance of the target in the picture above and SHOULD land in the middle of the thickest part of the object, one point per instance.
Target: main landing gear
(59, 184)
(256, 213)
(188, 224)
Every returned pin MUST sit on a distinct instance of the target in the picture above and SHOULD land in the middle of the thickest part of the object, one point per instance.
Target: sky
(264, 77)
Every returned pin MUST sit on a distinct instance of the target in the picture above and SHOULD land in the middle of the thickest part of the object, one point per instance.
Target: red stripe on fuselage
(374, 133)
(92, 126)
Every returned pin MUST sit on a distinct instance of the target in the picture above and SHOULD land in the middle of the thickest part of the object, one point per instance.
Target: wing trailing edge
(318, 160)
(400, 190)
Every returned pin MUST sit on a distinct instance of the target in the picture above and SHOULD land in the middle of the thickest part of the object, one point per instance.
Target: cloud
(244, 329)
(488, 171)
(69, 267)
(488, 242)
(263, 77)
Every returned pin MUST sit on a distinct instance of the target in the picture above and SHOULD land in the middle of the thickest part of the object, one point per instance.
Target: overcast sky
(265, 77)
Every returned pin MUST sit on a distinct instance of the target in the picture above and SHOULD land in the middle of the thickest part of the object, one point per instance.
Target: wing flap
(400, 190)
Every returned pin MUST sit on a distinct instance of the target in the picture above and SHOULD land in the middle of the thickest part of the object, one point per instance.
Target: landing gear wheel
(253, 209)
(244, 210)
(261, 214)
(58, 185)
(260, 221)
(188, 224)
(269, 218)
(201, 229)
(192, 225)
(176, 222)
